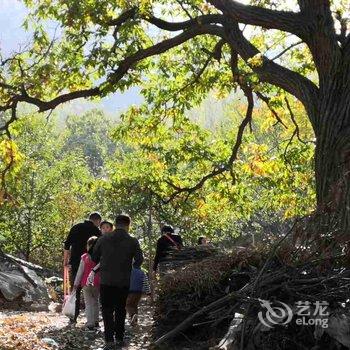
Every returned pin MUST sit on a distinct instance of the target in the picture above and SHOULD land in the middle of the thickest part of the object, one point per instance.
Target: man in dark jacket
(169, 241)
(116, 251)
(75, 247)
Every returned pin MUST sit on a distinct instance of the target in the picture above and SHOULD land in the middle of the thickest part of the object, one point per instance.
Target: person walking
(139, 285)
(167, 242)
(116, 252)
(75, 247)
(90, 292)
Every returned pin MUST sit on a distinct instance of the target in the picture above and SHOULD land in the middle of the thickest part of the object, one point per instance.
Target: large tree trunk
(332, 157)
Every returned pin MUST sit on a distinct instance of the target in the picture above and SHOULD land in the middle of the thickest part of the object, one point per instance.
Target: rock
(228, 342)
(50, 342)
(55, 307)
(21, 286)
(55, 288)
(40, 271)
(339, 328)
(54, 280)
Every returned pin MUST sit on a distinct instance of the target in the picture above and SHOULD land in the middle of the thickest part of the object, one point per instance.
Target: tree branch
(47, 105)
(321, 36)
(268, 104)
(286, 49)
(11, 162)
(258, 16)
(176, 26)
(273, 73)
(125, 16)
(248, 117)
(292, 116)
(184, 8)
(162, 24)
(286, 150)
(163, 47)
(225, 167)
(113, 79)
(216, 54)
(5, 128)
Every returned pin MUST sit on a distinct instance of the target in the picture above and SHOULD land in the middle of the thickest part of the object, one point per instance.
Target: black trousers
(74, 271)
(113, 302)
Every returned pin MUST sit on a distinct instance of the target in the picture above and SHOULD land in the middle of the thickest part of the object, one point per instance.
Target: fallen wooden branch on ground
(189, 321)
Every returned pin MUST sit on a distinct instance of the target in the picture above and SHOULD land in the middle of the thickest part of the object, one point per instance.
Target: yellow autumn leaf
(256, 61)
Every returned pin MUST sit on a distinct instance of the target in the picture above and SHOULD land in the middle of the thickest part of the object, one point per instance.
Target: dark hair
(122, 219)
(167, 229)
(200, 240)
(95, 216)
(105, 222)
(91, 243)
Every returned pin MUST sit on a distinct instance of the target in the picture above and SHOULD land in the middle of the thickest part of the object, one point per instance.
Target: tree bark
(332, 155)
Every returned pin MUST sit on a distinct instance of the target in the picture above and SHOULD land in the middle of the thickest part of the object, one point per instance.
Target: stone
(20, 286)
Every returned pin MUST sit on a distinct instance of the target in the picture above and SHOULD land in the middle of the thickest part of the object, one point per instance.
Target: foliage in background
(179, 53)
(88, 134)
(49, 192)
(63, 172)
(272, 179)
(100, 47)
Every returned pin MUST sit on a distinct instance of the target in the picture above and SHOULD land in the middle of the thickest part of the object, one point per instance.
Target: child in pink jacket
(91, 292)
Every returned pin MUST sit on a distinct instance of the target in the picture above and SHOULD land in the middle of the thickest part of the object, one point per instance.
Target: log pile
(216, 303)
(177, 259)
(198, 284)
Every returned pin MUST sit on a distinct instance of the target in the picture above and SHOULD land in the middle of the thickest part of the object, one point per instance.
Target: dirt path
(47, 330)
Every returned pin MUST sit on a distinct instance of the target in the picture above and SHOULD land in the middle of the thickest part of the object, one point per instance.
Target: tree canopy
(53, 184)
(179, 52)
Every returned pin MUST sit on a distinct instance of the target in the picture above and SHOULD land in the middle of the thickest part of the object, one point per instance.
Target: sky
(12, 37)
